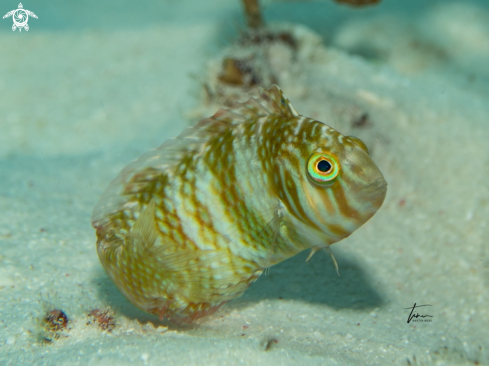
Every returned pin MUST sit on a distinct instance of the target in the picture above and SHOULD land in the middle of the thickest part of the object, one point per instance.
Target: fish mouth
(378, 184)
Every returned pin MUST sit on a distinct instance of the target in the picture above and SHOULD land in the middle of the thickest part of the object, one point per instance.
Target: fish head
(338, 187)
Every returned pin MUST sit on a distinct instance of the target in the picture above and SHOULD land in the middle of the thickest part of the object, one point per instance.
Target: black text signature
(416, 315)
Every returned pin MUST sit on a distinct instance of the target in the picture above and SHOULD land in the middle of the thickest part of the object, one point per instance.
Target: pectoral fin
(327, 250)
(144, 231)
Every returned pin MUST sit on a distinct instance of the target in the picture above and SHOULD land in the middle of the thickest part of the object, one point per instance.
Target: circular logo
(20, 17)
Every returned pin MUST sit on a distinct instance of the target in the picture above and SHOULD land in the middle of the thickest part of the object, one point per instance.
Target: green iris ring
(318, 176)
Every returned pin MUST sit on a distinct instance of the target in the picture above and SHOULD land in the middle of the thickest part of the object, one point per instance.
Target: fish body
(190, 225)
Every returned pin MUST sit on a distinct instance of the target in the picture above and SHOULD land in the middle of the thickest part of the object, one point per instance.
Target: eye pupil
(324, 166)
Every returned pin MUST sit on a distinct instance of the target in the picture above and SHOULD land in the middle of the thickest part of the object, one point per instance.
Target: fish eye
(322, 168)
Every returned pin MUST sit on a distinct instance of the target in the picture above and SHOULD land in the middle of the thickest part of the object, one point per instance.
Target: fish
(193, 223)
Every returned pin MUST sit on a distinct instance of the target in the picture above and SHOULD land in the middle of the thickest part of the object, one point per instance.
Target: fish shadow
(316, 282)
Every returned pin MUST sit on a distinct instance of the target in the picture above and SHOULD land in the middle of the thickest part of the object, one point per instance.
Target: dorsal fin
(271, 101)
(135, 177)
(275, 101)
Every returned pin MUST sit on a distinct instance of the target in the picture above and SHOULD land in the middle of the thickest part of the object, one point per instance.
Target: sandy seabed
(76, 105)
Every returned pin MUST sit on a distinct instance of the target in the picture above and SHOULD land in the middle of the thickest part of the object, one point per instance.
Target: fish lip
(379, 182)
(378, 187)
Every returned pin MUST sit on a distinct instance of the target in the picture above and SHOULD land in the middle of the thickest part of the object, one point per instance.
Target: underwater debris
(267, 36)
(56, 320)
(238, 72)
(268, 343)
(256, 59)
(104, 319)
(254, 69)
(358, 2)
(253, 13)
(362, 121)
(52, 324)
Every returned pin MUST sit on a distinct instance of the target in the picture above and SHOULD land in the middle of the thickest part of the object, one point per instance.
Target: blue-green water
(93, 85)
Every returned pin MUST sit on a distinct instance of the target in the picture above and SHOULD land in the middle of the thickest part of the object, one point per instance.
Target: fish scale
(191, 224)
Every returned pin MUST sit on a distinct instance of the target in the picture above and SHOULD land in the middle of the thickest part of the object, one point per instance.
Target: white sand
(79, 101)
